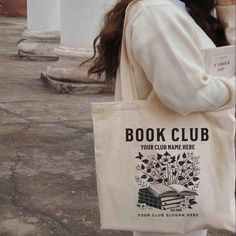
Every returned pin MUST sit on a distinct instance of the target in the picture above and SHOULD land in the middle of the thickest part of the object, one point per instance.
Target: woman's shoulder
(158, 9)
(140, 5)
(158, 18)
(147, 3)
(137, 7)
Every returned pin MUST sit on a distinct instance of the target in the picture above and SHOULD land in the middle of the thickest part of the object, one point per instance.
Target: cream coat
(166, 43)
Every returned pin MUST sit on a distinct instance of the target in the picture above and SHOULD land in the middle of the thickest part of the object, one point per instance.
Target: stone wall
(13, 8)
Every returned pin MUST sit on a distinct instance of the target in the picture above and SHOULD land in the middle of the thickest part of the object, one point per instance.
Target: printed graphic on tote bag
(168, 182)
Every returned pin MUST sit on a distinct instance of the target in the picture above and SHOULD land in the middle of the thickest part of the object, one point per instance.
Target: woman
(167, 38)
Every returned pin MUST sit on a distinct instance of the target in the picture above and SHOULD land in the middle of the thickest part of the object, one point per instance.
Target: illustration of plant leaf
(140, 155)
(190, 184)
(192, 202)
(142, 167)
(181, 163)
(159, 156)
(143, 177)
(181, 178)
(160, 181)
(157, 165)
(184, 155)
(150, 180)
(145, 161)
(149, 170)
(195, 179)
(178, 157)
(191, 174)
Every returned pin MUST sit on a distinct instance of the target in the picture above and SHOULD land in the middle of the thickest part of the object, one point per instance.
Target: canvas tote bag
(159, 171)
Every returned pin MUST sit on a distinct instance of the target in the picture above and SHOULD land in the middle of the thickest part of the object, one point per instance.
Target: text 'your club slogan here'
(162, 135)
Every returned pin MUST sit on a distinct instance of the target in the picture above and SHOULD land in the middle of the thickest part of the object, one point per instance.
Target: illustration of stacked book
(164, 197)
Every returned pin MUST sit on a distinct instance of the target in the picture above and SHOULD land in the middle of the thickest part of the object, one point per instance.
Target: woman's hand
(225, 2)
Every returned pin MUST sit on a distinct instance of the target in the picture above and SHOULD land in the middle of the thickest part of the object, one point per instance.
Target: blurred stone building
(63, 31)
(13, 7)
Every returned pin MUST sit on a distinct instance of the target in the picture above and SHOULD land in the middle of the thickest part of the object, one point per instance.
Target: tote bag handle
(128, 88)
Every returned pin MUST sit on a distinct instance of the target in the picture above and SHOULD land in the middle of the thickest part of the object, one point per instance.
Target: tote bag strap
(128, 88)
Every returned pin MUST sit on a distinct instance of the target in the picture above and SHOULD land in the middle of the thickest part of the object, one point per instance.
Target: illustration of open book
(220, 61)
(162, 191)
(165, 197)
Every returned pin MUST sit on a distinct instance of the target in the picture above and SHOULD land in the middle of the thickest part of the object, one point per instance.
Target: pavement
(47, 167)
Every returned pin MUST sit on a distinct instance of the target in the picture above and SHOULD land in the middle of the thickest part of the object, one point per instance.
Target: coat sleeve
(226, 14)
(163, 46)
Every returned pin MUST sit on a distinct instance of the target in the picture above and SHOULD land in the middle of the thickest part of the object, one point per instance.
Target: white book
(220, 61)
(170, 207)
(173, 202)
(173, 190)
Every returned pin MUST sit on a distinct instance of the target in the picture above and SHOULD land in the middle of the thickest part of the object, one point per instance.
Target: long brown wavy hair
(107, 45)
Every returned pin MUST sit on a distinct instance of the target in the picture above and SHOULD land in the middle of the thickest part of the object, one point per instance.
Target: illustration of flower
(184, 171)
(195, 167)
(165, 159)
(196, 173)
(189, 198)
(154, 173)
(164, 169)
(184, 204)
(195, 160)
(142, 205)
(138, 167)
(174, 166)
